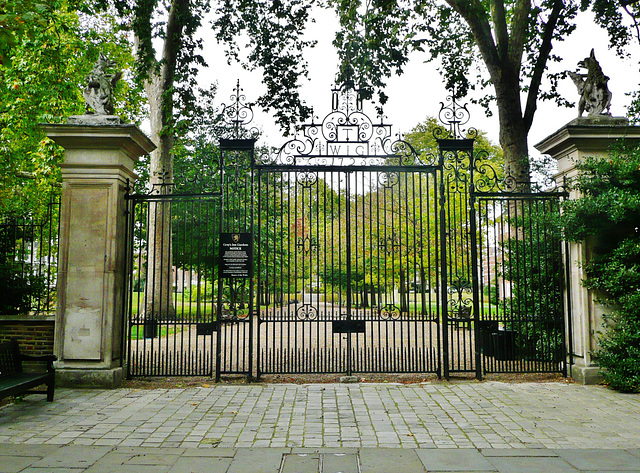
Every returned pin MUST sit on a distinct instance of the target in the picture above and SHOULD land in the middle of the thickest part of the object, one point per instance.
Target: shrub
(533, 270)
(19, 286)
(609, 211)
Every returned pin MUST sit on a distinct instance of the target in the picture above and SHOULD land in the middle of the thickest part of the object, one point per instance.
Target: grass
(184, 309)
(137, 331)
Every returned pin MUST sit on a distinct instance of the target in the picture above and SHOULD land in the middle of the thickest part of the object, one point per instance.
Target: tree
(456, 178)
(512, 40)
(168, 74)
(46, 53)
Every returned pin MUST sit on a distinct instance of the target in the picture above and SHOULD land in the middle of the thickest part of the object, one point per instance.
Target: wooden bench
(13, 379)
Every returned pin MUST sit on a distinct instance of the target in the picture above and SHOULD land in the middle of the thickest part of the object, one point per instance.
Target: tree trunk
(513, 133)
(159, 88)
(159, 267)
(404, 294)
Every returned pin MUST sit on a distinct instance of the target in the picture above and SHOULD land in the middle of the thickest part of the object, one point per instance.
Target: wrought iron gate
(348, 269)
(521, 280)
(369, 258)
(183, 317)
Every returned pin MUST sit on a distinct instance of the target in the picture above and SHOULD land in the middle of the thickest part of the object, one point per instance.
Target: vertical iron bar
(348, 262)
(443, 273)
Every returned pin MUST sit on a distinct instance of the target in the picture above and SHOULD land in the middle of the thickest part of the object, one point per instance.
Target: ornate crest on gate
(346, 136)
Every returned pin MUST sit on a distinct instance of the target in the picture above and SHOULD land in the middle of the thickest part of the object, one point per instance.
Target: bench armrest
(48, 358)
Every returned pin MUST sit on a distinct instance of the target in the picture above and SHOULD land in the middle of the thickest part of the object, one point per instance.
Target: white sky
(418, 92)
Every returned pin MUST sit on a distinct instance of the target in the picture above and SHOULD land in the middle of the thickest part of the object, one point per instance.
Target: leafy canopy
(467, 39)
(42, 75)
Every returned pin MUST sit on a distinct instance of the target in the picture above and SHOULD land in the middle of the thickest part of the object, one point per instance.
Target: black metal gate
(348, 269)
(182, 316)
(369, 258)
(521, 281)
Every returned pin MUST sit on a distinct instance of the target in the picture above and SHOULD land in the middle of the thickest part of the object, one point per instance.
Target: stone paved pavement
(92, 459)
(468, 426)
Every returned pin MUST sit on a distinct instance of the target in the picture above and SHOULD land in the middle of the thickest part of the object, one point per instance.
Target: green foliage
(41, 80)
(422, 138)
(491, 292)
(608, 215)
(274, 35)
(336, 277)
(20, 286)
(467, 38)
(533, 268)
(500, 48)
(368, 57)
(20, 283)
(456, 178)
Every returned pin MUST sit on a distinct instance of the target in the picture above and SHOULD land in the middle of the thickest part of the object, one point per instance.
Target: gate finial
(239, 113)
(454, 116)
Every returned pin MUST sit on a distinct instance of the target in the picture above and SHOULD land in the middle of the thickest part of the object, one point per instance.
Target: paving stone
(201, 464)
(159, 457)
(600, 459)
(32, 469)
(15, 464)
(518, 452)
(532, 465)
(209, 452)
(301, 463)
(340, 463)
(21, 450)
(379, 460)
(72, 456)
(257, 460)
(453, 459)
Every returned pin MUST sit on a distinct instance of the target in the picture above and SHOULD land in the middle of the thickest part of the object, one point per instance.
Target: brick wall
(35, 337)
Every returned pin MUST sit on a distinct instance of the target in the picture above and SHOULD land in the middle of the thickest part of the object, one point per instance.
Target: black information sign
(236, 255)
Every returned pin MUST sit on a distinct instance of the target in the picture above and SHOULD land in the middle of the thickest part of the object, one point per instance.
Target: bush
(19, 287)
(532, 267)
(609, 212)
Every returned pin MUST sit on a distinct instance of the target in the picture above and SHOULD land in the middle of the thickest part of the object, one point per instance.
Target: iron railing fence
(369, 258)
(29, 260)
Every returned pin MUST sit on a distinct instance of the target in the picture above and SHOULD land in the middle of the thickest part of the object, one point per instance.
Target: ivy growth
(608, 214)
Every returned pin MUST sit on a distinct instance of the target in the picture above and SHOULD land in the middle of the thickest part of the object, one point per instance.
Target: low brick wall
(34, 334)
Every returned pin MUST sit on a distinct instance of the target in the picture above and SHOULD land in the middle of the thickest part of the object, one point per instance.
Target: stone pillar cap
(589, 134)
(133, 142)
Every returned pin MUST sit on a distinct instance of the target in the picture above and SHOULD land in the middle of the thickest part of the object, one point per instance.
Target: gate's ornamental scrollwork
(345, 137)
(239, 114)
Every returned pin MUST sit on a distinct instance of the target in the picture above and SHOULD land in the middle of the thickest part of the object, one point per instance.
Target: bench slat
(12, 378)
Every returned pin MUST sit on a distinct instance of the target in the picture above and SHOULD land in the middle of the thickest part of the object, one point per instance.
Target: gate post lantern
(100, 154)
(571, 144)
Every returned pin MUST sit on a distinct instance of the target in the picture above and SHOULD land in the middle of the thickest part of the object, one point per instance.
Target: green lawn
(184, 309)
(138, 334)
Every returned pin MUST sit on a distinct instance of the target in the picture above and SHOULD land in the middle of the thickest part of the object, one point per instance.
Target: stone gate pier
(570, 145)
(99, 159)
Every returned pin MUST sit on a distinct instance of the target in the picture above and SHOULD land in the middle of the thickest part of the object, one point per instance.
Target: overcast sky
(418, 92)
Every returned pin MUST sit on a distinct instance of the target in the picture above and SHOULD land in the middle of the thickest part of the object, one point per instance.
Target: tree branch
(541, 63)
(500, 26)
(625, 7)
(476, 17)
(519, 29)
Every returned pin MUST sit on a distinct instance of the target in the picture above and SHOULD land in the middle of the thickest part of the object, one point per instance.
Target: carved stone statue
(595, 96)
(98, 94)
